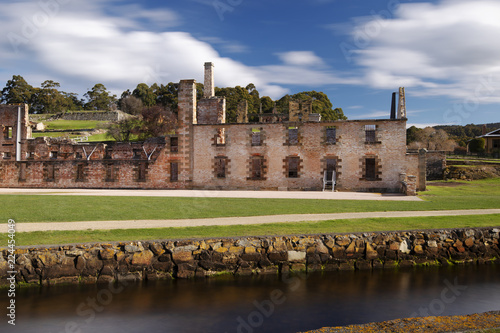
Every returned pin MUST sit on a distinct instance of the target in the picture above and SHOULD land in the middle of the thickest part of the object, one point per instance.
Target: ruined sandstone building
(280, 152)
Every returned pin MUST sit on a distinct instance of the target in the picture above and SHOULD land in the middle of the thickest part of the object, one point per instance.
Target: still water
(256, 304)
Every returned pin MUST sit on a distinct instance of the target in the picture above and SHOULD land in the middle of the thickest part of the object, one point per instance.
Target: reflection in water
(258, 304)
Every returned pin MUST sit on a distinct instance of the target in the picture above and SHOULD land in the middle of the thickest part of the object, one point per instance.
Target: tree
(99, 98)
(432, 139)
(412, 134)
(145, 94)
(17, 90)
(166, 95)
(153, 122)
(48, 99)
(477, 145)
(131, 105)
(267, 104)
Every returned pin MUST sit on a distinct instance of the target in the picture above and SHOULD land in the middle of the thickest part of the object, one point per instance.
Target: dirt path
(141, 224)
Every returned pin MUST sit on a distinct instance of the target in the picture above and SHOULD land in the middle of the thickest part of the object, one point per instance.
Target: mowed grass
(62, 124)
(482, 194)
(295, 228)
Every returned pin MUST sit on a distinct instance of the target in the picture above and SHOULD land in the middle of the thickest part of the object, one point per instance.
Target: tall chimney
(393, 106)
(209, 88)
(402, 103)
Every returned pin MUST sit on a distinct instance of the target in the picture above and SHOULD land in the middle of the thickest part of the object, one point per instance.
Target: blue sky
(445, 53)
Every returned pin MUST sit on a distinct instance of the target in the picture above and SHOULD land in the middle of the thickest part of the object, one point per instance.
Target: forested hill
(462, 134)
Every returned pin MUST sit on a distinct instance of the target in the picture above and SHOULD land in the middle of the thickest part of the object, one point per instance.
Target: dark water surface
(256, 304)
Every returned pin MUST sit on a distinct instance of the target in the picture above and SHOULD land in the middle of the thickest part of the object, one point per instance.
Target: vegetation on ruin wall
(481, 194)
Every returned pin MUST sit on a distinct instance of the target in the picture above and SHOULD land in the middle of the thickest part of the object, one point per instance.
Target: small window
(7, 155)
(256, 167)
(174, 171)
(496, 143)
(293, 167)
(50, 172)
(78, 156)
(110, 172)
(256, 137)
(80, 173)
(30, 155)
(220, 167)
(220, 137)
(174, 144)
(370, 169)
(7, 132)
(293, 136)
(53, 154)
(141, 172)
(370, 133)
(331, 135)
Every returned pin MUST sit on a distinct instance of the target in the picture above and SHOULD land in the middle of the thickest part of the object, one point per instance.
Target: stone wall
(152, 260)
(97, 116)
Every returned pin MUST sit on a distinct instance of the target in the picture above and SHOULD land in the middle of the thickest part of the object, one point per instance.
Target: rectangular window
(174, 144)
(293, 167)
(256, 139)
(141, 172)
(80, 173)
(293, 136)
(50, 172)
(256, 168)
(7, 132)
(6, 155)
(370, 169)
(174, 171)
(331, 135)
(220, 167)
(110, 172)
(78, 156)
(370, 133)
(137, 154)
(496, 143)
(53, 154)
(220, 138)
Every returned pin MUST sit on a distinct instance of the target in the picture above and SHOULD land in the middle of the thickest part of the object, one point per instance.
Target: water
(258, 304)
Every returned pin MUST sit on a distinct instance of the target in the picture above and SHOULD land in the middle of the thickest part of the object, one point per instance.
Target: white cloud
(447, 49)
(300, 58)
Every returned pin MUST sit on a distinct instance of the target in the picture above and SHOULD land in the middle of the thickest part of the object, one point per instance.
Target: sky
(445, 53)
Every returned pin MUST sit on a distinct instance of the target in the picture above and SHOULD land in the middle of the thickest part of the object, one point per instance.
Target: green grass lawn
(62, 124)
(295, 228)
(482, 194)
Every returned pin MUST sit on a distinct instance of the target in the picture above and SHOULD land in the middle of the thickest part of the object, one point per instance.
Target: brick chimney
(209, 88)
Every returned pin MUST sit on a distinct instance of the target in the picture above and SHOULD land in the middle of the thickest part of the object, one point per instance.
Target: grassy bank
(482, 194)
(295, 228)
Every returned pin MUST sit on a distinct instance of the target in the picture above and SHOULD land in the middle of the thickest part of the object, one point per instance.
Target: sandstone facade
(291, 152)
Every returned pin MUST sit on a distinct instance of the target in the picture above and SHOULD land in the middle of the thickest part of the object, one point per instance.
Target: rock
(342, 241)
(403, 247)
(107, 254)
(142, 258)
(130, 248)
(182, 257)
(236, 249)
(48, 259)
(418, 249)
(296, 256)
(157, 249)
(370, 252)
(249, 249)
(432, 244)
(469, 242)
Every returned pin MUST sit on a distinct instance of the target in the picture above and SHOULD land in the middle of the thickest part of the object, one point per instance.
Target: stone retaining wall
(152, 260)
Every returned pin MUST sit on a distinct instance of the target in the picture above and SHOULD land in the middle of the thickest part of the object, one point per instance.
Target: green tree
(267, 104)
(99, 98)
(48, 99)
(17, 90)
(477, 145)
(166, 95)
(412, 134)
(145, 94)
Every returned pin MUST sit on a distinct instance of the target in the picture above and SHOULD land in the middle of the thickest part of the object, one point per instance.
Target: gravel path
(141, 224)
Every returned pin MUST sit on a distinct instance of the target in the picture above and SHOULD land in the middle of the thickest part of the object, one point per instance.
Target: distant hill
(462, 134)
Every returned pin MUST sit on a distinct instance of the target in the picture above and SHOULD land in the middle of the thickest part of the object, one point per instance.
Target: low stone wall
(98, 115)
(152, 260)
